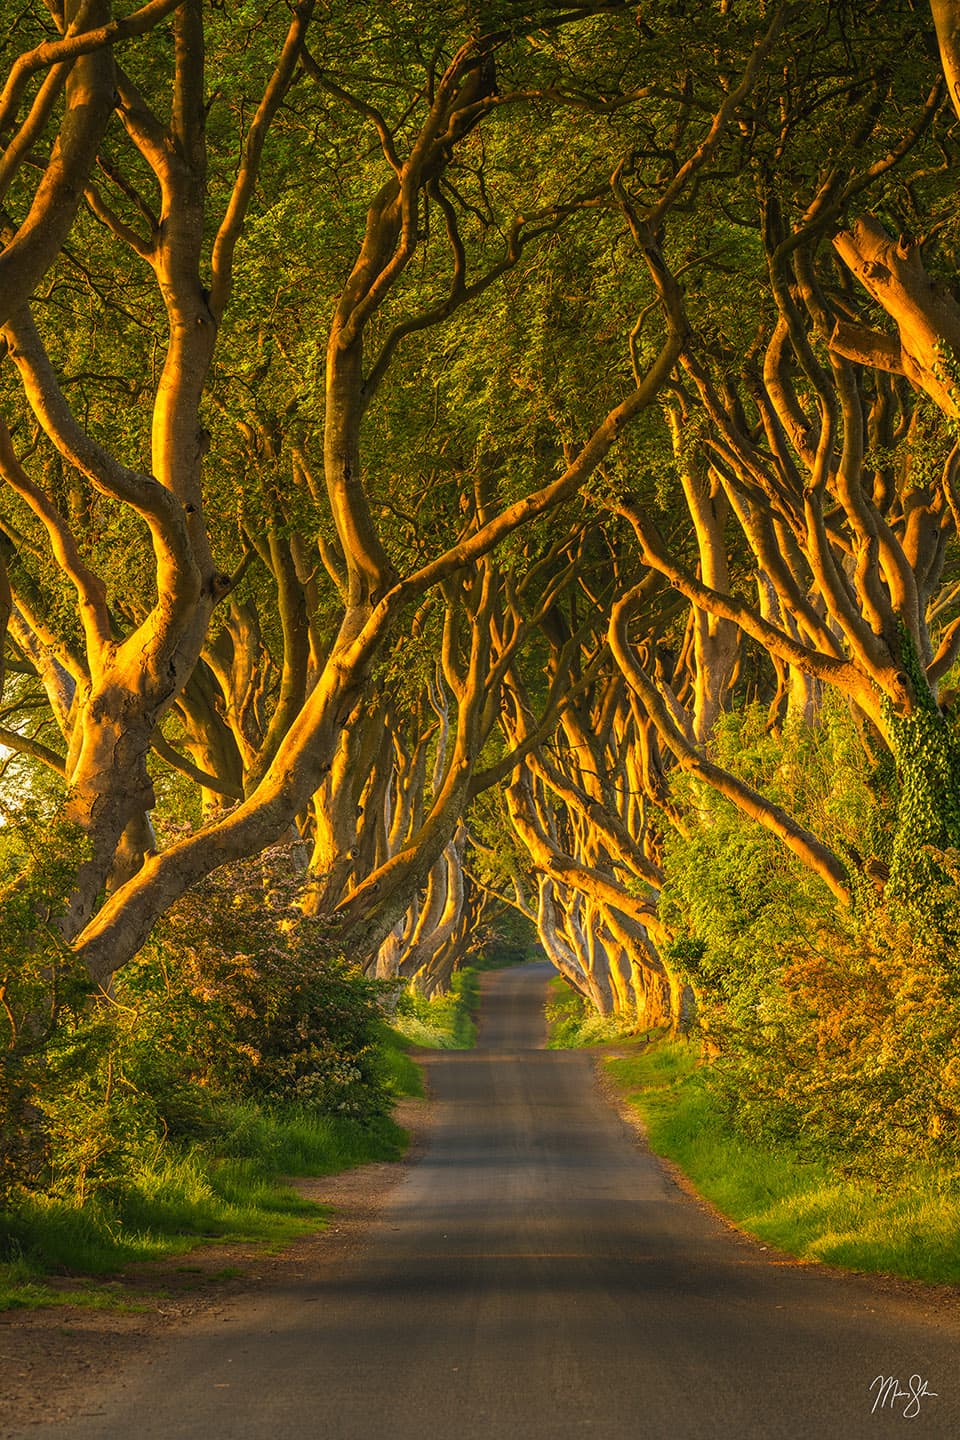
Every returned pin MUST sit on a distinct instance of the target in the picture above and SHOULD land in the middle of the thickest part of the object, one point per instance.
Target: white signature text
(889, 1394)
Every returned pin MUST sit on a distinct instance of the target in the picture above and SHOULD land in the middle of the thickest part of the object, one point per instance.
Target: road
(537, 1276)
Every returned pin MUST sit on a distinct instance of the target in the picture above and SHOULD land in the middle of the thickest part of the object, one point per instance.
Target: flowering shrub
(256, 996)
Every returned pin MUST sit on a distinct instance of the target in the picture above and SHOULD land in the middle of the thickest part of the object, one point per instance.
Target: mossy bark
(928, 770)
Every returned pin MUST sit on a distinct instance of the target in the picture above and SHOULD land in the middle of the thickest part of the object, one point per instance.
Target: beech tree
(459, 459)
(800, 511)
(318, 459)
(841, 491)
(189, 151)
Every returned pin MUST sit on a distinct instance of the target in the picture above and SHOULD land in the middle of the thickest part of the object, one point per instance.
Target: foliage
(42, 988)
(228, 1186)
(279, 1014)
(832, 1028)
(166, 1111)
(445, 1021)
(927, 757)
(835, 1031)
(572, 1021)
(238, 996)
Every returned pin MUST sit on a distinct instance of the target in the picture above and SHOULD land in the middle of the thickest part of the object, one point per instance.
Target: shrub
(41, 984)
(834, 1030)
(445, 1021)
(253, 991)
(572, 1021)
(238, 996)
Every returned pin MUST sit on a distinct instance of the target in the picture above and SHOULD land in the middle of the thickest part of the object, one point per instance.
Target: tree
(167, 198)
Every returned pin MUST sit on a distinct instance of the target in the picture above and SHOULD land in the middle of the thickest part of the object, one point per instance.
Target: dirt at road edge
(50, 1359)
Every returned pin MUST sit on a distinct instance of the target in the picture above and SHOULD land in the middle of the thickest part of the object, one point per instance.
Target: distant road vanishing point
(538, 1276)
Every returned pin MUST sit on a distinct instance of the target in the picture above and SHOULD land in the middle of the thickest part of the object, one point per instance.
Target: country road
(537, 1276)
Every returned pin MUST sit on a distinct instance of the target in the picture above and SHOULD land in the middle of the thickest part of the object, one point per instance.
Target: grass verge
(227, 1189)
(444, 1023)
(572, 1023)
(401, 1075)
(908, 1227)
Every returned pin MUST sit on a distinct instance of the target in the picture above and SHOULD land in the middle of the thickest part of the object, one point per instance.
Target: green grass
(573, 1023)
(444, 1023)
(178, 1198)
(401, 1075)
(21, 1289)
(910, 1227)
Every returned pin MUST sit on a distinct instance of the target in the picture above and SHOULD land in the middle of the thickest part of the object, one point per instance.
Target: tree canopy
(502, 457)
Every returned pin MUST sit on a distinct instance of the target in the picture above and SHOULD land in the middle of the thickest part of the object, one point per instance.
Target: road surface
(537, 1276)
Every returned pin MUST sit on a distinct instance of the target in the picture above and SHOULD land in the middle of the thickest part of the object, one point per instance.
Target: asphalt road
(538, 1275)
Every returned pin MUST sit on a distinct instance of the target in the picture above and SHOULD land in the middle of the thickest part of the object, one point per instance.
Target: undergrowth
(229, 1187)
(904, 1225)
(237, 1049)
(572, 1022)
(834, 1026)
(444, 1022)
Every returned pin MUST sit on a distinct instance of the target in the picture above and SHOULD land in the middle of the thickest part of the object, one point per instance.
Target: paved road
(538, 1277)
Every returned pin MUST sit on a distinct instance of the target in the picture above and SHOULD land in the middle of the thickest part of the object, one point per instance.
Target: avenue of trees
(473, 473)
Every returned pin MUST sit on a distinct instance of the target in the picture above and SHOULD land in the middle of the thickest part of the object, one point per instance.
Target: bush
(41, 985)
(444, 1022)
(833, 1030)
(851, 1048)
(270, 1009)
(572, 1021)
(238, 996)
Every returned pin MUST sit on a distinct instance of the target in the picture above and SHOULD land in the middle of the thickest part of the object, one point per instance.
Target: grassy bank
(230, 1187)
(447, 1022)
(908, 1226)
(572, 1023)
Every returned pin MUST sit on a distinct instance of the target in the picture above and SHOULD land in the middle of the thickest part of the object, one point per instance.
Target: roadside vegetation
(573, 1022)
(461, 482)
(229, 1186)
(237, 1052)
(445, 1021)
(811, 1092)
(904, 1222)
